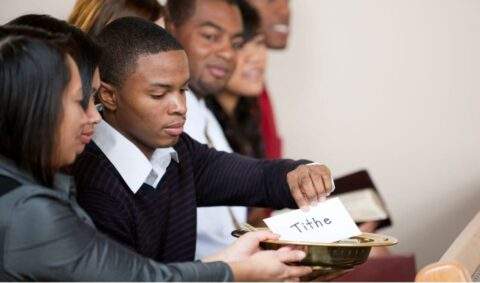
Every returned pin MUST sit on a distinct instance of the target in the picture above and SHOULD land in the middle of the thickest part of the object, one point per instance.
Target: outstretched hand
(310, 184)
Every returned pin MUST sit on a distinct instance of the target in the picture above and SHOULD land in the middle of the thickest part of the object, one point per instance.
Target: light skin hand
(249, 263)
(271, 266)
(243, 247)
(310, 184)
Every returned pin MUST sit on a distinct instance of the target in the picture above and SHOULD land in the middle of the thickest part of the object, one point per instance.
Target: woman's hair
(92, 16)
(251, 20)
(243, 129)
(33, 77)
(80, 46)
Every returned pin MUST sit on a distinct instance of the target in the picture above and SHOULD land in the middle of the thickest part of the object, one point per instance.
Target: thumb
(290, 256)
(262, 235)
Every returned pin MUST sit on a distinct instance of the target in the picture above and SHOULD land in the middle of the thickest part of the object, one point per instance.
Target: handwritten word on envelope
(326, 222)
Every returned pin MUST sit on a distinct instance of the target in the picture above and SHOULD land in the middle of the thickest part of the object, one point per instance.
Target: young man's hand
(310, 184)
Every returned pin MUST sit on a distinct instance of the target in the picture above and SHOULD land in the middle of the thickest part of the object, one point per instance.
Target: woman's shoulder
(37, 209)
(32, 197)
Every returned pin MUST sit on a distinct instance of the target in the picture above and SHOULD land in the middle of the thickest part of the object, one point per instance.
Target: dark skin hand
(310, 184)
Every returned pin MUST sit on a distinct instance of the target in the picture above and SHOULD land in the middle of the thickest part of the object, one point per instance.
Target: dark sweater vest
(160, 223)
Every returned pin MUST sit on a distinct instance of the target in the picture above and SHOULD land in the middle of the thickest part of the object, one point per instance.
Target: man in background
(211, 32)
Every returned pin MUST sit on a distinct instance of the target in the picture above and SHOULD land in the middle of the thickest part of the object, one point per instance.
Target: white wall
(392, 86)
(388, 85)
(10, 9)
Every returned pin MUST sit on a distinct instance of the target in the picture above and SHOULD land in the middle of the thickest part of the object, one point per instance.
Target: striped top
(160, 222)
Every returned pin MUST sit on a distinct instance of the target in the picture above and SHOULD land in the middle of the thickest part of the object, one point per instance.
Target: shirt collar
(130, 162)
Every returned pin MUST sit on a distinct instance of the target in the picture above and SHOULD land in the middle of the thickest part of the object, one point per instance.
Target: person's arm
(47, 241)
(231, 179)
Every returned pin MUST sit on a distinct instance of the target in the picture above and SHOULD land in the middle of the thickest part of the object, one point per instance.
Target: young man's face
(150, 106)
(211, 37)
(275, 16)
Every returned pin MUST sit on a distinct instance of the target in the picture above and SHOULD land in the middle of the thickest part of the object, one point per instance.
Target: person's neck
(228, 101)
(147, 151)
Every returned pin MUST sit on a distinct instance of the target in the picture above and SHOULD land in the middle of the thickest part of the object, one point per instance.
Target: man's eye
(210, 37)
(156, 96)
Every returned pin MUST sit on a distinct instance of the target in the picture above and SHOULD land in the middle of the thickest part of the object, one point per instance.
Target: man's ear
(107, 95)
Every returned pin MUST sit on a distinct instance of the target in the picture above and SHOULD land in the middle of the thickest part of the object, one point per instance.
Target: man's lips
(174, 129)
(218, 72)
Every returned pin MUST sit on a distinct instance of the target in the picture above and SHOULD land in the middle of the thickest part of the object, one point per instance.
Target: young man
(142, 179)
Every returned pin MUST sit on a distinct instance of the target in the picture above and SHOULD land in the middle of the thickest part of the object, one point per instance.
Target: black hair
(83, 50)
(179, 11)
(124, 40)
(242, 130)
(57, 39)
(33, 77)
(251, 20)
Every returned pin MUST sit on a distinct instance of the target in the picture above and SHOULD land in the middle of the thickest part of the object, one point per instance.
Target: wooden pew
(461, 262)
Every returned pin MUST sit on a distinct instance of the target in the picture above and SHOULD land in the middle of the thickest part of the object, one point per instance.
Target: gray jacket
(46, 236)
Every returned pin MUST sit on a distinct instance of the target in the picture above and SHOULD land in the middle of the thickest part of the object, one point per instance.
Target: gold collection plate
(332, 257)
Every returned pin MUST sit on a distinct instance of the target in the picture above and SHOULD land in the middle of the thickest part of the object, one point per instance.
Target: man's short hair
(124, 40)
(179, 11)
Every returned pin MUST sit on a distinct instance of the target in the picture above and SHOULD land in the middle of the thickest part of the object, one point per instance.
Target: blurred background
(388, 85)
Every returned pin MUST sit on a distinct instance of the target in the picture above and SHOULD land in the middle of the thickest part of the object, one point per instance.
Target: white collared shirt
(134, 167)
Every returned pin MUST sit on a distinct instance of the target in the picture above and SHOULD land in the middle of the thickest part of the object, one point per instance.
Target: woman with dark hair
(44, 234)
(85, 53)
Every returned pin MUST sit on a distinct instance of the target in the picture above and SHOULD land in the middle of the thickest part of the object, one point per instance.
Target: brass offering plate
(330, 258)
